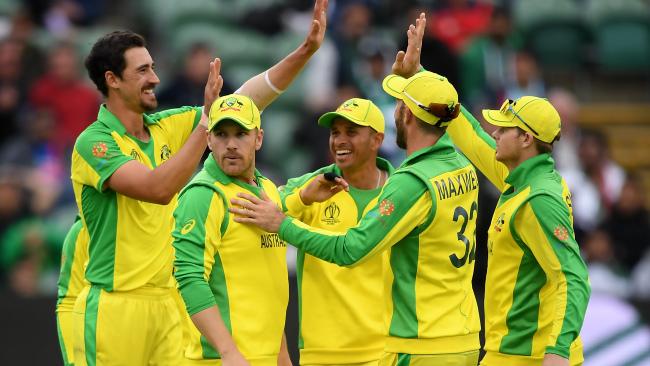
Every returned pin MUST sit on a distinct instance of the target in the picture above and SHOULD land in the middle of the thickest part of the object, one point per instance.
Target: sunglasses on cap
(507, 107)
(427, 109)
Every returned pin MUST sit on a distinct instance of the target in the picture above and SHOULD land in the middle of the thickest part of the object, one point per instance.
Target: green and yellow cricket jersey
(340, 320)
(130, 246)
(238, 267)
(74, 255)
(537, 288)
(426, 215)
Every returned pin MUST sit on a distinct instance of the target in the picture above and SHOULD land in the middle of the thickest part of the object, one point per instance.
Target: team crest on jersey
(498, 225)
(165, 153)
(386, 207)
(231, 104)
(561, 233)
(100, 149)
(347, 106)
(331, 214)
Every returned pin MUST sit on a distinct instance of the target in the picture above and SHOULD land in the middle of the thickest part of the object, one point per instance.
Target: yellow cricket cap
(362, 112)
(421, 90)
(533, 114)
(235, 107)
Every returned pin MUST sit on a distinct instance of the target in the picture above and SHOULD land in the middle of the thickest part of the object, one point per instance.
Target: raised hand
(318, 25)
(408, 63)
(321, 189)
(213, 85)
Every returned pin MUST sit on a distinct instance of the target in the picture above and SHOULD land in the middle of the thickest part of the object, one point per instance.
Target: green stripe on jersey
(404, 256)
(403, 359)
(146, 147)
(300, 265)
(523, 314)
(218, 286)
(101, 248)
(90, 325)
(362, 197)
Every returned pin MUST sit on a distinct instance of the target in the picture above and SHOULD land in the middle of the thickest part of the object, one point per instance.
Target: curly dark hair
(107, 54)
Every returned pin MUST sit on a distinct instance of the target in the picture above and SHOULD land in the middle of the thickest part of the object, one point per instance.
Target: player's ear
(258, 139)
(208, 136)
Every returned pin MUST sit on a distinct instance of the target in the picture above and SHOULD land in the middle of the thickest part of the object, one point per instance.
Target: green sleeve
(100, 157)
(403, 205)
(189, 235)
(549, 234)
(479, 147)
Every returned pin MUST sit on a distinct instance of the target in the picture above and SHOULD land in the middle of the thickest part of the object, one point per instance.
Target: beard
(400, 138)
(149, 107)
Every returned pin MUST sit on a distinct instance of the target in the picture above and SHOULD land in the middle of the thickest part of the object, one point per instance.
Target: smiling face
(233, 148)
(138, 80)
(352, 145)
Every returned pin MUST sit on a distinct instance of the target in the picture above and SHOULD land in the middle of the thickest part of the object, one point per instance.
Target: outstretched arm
(265, 87)
(403, 205)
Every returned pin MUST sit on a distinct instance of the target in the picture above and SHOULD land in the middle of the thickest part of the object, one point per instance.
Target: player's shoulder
(95, 132)
(174, 113)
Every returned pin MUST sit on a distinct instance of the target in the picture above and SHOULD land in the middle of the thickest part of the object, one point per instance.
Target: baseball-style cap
(235, 107)
(532, 114)
(362, 112)
(419, 91)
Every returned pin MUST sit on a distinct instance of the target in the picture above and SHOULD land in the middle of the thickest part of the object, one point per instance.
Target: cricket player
(74, 256)
(425, 216)
(233, 277)
(537, 286)
(127, 168)
(341, 317)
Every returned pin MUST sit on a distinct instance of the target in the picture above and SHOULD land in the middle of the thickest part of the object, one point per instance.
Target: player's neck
(366, 176)
(132, 121)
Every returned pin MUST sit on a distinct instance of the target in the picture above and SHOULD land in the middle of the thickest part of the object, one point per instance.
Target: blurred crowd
(46, 100)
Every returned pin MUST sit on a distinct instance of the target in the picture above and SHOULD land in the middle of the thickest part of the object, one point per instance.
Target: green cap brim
(497, 118)
(394, 85)
(247, 126)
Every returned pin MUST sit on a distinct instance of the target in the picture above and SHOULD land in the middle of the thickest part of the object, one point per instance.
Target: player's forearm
(168, 179)
(280, 76)
(571, 309)
(468, 135)
(213, 328)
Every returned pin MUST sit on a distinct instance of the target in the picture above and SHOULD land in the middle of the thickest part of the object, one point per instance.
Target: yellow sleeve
(467, 134)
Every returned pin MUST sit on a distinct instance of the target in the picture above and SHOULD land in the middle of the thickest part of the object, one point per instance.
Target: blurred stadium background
(591, 58)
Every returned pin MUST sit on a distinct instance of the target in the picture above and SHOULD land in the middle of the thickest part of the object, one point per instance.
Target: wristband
(270, 84)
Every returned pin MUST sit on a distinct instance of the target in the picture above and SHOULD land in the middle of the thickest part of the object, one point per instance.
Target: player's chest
(154, 151)
(501, 241)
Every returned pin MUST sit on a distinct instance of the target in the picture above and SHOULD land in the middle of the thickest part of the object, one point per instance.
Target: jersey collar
(111, 121)
(532, 167)
(211, 166)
